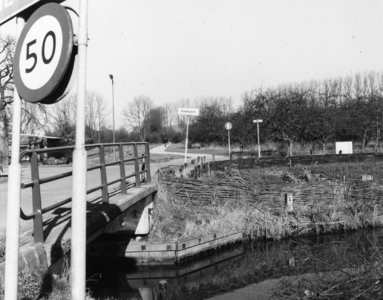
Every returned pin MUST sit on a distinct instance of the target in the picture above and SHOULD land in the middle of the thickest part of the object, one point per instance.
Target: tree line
(316, 112)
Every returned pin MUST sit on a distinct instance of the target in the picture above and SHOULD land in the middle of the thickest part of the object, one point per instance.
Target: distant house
(29, 141)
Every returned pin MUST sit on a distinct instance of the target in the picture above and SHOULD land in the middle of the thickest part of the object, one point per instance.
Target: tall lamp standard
(259, 146)
(114, 137)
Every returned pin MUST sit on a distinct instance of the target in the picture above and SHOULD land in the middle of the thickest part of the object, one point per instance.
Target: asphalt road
(56, 191)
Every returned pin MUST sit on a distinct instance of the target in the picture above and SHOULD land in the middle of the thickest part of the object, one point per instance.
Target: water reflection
(249, 271)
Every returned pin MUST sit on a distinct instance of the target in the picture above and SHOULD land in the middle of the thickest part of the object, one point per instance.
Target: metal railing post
(104, 180)
(38, 230)
(147, 164)
(122, 169)
(136, 166)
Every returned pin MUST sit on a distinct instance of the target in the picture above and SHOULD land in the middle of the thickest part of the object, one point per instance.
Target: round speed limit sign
(43, 52)
(228, 125)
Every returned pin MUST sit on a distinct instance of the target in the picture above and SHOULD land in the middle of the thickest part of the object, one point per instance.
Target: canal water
(251, 270)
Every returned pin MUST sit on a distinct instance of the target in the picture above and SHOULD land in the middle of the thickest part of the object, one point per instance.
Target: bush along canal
(337, 266)
(273, 203)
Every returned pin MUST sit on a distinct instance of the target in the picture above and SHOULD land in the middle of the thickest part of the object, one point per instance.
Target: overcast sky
(169, 50)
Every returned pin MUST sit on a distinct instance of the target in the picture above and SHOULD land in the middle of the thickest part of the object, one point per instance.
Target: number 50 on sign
(43, 52)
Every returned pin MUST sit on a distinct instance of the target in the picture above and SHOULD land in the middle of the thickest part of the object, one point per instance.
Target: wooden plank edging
(175, 252)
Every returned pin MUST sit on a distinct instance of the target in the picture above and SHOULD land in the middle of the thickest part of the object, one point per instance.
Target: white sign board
(10, 8)
(257, 121)
(345, 147)
(188, 111)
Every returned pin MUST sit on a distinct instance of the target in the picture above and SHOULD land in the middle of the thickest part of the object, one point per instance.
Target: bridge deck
(58, 231)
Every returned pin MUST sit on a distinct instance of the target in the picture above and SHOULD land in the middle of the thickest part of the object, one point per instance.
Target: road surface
(56, 191)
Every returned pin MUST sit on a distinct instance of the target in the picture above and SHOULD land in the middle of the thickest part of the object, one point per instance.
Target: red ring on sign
(35, 95)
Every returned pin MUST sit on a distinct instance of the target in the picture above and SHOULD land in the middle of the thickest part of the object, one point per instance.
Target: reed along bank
(325, 199)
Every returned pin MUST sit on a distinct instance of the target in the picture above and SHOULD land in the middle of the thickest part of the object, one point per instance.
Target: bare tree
(7, 46)
(64, 118)
(135, 114)
(34, 116)
(95, 115)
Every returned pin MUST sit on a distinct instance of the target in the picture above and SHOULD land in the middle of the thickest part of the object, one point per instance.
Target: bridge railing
(139, 175)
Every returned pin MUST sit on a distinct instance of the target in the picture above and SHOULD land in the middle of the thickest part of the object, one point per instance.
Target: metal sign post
(14, 195)
(78, 246)
(228, 126)
(42, 56)
(188, 112)
(187, 136)
(259, 145)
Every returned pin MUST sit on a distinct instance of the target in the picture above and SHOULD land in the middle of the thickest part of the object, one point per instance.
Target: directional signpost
(188, 112)
(228, 126)
(259, 146)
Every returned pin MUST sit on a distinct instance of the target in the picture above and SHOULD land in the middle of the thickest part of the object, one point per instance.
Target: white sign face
(43, 52)
(188, 111)
(257, 121)
(228, 125)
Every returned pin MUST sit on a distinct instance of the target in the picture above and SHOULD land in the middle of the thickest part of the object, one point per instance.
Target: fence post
(122, 169)
(104, 180)
(213, 157)
(38, 230)
(147, 164)
(136, 166)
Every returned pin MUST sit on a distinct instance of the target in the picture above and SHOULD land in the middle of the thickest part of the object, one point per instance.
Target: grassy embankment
(176, 219)
(259, 211)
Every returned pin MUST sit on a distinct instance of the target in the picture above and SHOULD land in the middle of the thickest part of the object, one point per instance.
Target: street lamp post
(259, 145)
(114, 137)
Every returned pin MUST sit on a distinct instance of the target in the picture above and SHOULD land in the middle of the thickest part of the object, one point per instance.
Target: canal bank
(298, 267)
(272, 202)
